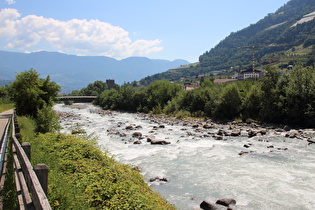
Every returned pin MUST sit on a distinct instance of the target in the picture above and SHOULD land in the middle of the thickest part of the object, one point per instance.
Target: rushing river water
(277, 172)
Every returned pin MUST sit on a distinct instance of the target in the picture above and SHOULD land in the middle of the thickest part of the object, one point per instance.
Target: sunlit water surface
(197, 168)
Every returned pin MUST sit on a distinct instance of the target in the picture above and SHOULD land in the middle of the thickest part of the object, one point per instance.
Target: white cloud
(9, 2)
(91, 37)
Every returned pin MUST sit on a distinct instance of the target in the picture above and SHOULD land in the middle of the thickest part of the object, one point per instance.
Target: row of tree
(287, 98)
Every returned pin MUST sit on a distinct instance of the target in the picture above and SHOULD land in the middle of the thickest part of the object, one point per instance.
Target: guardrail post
(27, 149)
(41, 170)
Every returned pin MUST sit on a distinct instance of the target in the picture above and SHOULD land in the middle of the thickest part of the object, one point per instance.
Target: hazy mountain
(75, 72)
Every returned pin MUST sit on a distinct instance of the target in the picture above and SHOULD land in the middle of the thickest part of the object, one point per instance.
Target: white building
(250, 74)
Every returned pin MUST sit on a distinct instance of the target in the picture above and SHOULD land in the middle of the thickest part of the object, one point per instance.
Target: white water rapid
(277, 173)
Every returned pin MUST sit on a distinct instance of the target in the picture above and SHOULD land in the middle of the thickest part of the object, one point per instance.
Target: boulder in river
(236, 133)
(221, 132)
(206, 205)
(242, 153)
(150, 138)
(226, 202)
(159, 141)
(251, 133)
(163, 179)
(137, 135)
(286, 128)
(137, 142)
(207, 126)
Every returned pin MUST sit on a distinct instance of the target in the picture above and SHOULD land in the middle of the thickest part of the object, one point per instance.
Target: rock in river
(159, 141)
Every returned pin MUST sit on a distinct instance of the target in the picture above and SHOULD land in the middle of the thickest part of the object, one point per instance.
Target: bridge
(77, 99)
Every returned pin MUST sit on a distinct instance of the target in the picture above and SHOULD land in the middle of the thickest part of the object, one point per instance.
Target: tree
(270, 111)
(34, 97)
(47, 120)
(26, 92)
(94, 89)
(300, 97)
(251, 105)
(229, 104)
(160, 92)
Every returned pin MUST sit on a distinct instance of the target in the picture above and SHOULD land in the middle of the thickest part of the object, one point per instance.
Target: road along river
(203, 161)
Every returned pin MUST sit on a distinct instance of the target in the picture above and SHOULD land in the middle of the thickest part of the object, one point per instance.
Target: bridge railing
(31, 190)
(76, 99)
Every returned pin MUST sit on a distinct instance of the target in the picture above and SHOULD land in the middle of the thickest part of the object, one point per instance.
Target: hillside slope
(291, 25)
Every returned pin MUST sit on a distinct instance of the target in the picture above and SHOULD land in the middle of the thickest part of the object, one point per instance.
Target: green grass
(83, 177)
(5, 107)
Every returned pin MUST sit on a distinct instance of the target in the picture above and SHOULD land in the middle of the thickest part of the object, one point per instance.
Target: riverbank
(83, 177)
(192, 160)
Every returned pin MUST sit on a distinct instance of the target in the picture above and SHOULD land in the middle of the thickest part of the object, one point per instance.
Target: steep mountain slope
(273, 29)
(289, 26)
(75, 72)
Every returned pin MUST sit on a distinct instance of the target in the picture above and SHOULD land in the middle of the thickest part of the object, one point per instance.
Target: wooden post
(27, 149)
(41, 170)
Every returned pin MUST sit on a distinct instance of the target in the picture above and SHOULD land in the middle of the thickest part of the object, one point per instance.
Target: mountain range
(74, 72)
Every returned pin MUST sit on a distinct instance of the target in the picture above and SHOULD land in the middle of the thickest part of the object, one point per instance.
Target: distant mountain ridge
(292, 23)
(75, 72)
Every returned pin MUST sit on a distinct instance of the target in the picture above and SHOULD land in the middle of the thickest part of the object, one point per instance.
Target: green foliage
(5, 95)
(5, 107)
(83, 177)
(68, 102)
(270, 111)
(299, 97)
(47, 120)
(34, 97)
(275, 98)
(30, 93)
(228, 107)
(252, 103)
(160, 92)
(28, 128)
(152, 98)
(93, 89)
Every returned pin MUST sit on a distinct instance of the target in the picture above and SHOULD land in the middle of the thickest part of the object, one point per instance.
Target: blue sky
(161, 29)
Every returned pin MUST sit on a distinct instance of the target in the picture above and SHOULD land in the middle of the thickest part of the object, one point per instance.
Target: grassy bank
(82, 177)
(5, 107)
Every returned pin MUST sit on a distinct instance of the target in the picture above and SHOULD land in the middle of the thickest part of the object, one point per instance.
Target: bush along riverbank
(83, 177)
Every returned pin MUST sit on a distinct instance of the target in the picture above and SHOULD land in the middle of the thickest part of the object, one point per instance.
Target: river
(275, 172)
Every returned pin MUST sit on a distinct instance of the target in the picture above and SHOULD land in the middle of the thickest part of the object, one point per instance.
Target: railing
(31, 183)
(3, 158)
(78, 99)
(3, 147)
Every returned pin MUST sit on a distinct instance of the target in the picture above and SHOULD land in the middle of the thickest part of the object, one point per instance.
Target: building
(250, 74)
(110, 83)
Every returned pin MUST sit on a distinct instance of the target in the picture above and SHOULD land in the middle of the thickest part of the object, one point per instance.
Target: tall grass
(5, 107)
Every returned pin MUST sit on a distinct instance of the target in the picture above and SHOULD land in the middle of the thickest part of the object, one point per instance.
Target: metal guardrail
(31, 194)
(3, 146)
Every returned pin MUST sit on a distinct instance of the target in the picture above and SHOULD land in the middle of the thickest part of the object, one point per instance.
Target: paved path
(4, 118)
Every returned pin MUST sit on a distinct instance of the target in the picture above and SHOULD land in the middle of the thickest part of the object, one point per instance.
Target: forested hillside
(274, 34)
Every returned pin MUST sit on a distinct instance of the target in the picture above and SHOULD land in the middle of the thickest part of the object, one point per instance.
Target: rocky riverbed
(195, 162)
